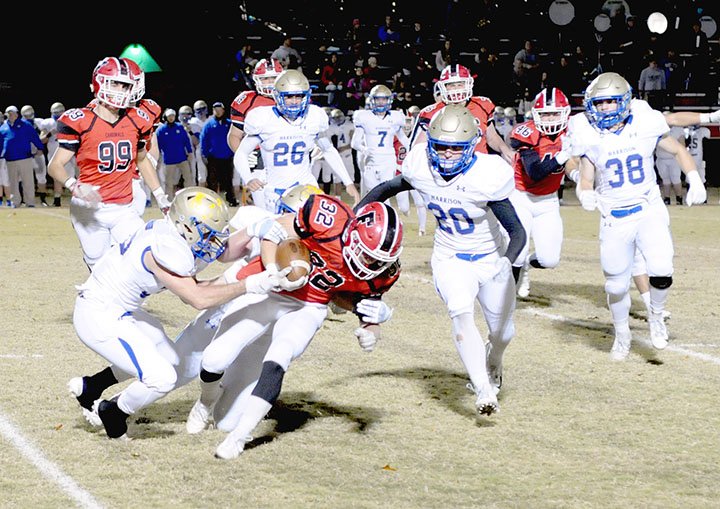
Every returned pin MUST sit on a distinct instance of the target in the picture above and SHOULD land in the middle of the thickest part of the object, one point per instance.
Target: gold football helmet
(202, 218)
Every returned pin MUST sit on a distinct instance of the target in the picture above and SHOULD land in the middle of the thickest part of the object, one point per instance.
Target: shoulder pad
(172, 252)
(248, 215)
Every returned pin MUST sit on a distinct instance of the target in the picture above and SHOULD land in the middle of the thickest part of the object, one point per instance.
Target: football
(295, 254)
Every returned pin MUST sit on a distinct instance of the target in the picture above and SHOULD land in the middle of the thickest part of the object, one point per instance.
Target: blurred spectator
(332, 77)
(616, 9)
(357, 57)
(19, 136)
(176, 150)
(697, 66)
(356, 34)
(416, 37)
(582, 64)
(672, 66)
(372, 72)
(284, 53)
(526, 67)
(652, 84)
(421, 80)
(217, 154)
(492, 80)
(566, 77)
(403, 92)
(355, 90)
(388, 32)
(445, 55)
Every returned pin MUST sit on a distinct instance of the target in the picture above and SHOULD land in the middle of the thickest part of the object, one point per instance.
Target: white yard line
(681, 349)
(46, 467)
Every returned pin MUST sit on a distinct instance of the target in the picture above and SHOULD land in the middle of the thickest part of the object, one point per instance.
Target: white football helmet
(337, 117)
(56, 110)
(112, 84)
(455, 84)
(139, 76)
(200, 108)
(27, 112)
(202, 218)
(551, 111)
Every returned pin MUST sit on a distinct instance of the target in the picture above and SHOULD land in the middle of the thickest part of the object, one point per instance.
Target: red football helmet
(461, 82)
(112, 83)
(264, 75)
(372, 241)
(139, 76)
(551, 111)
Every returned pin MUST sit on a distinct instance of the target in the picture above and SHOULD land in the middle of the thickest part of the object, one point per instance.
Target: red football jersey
(481, 107)
(320, 224)
(400, 153)
(546, 147)
(105, 152)
(243, 103)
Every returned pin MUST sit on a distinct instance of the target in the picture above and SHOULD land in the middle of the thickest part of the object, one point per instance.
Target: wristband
(158, 193)
(70, 183)
(704, 118)
(574, 175)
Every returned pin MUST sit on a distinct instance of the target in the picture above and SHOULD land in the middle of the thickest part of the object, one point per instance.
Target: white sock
(470, 346)
(255, 410)
(646, 299)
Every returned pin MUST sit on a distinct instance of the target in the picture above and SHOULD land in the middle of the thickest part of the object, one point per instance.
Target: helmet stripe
(391, 230)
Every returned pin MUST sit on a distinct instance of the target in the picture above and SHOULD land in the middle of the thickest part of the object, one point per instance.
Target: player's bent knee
(215, 360)
(546, 262)
(270, 382)
(163, 379)
(661, 282)
(616, 287)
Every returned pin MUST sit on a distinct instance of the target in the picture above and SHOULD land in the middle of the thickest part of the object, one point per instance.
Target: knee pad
(661, 282)
(270, 382)
(617, 287)
(162, 379)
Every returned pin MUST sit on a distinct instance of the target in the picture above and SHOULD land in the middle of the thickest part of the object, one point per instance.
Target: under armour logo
(461, 188)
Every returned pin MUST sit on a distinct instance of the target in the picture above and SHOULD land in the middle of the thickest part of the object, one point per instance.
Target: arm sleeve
(385, 190)
(332, 156)
(240, 159)
(358, 139)
(505, 213)
(533, 166)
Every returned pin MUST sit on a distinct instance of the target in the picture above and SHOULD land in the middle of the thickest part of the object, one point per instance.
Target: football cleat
(621, 346)
(658, 331)
(113, 419)
(76, 386)
(199, 419)
(486, 402)
(231, 447)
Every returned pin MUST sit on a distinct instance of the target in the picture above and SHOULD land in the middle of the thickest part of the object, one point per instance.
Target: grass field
(395, 428)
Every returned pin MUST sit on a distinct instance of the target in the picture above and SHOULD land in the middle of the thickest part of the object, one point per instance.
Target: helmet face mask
(200, 108)
(551, 111)
(112, 83)
(201, 217)
(265, 74)
(27, 112)
(295, 197)
(56, 110)
(607, 88)
(372, 240)
(381, 99)
(455, 84)
(452, 135)
(292, 94)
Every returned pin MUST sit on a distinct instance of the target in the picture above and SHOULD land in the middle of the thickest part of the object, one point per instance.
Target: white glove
(374, 311)
(289, 286)
(265, 281)
(503, 268)
(696, 193)
(161, 199)
(252, 160)
(267, 229)
(564, 155)
(316, 153)
(87, 192)
(366, 338)
(588, 200)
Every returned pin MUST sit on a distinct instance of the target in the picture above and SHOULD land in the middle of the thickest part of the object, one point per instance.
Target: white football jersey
(465, 223)
(343, 132)
(286, 145)
(121, 277)
(624, 160)
(379, 131)
(695, 136)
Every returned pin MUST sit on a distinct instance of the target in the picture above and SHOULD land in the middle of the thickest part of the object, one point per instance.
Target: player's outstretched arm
(386, 190)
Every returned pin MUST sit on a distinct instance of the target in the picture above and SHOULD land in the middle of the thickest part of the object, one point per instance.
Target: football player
(50, 129)
(197, 122)
(375, 131)
(468, 192)
(287, 133)
(107, 153)
(539, 171)
(108, 316)
(28, 113)
(264, 76)
(354, 257)
(616, 137)
(455, 86)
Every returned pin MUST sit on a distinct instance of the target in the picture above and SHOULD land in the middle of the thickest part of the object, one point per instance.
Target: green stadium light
(140, 55)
